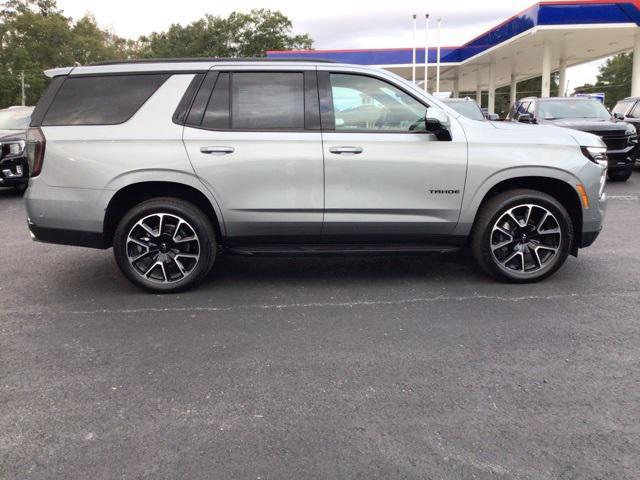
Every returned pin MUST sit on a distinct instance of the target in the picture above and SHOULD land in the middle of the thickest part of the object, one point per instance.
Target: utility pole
(22, 88)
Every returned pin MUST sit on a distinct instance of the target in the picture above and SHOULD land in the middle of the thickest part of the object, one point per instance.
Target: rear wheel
(165, 245)
(522, 236)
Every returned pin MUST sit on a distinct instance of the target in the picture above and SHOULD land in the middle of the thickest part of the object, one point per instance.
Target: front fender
(473, 198)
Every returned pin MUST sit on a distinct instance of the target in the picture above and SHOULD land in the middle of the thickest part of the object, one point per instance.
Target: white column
(635, 73)
(479, 95)
(513, 93)
(562, 84)
(546, 70)
(492, 88)
(456, 87)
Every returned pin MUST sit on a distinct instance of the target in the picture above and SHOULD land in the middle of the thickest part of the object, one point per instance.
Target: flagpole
(438, 59)
(413, 69)
(426, 52)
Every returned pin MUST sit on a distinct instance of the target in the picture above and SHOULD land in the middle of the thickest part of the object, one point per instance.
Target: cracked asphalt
(321, 368)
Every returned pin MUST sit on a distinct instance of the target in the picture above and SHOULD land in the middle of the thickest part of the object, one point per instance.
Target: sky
(338, 24)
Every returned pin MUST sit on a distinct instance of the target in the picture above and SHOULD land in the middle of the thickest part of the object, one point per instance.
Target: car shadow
(9, 192)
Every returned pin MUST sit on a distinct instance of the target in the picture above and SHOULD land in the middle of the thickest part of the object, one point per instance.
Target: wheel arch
(559, 189)
(132, 194)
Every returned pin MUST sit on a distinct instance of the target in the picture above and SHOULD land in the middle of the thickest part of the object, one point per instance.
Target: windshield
(550, 110)
(469, 109)
(15, 119)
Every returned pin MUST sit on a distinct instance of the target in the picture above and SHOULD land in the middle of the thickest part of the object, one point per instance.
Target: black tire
(20, 189)
(486, 234)
(168, 211)
(620, 175)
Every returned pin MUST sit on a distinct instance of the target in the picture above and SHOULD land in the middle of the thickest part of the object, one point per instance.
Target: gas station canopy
(546, 37)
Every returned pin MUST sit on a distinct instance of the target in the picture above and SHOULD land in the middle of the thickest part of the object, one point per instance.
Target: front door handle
(346, 150)
(217, 150)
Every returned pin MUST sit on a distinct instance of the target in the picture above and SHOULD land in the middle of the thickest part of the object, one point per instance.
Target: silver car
(175, 162)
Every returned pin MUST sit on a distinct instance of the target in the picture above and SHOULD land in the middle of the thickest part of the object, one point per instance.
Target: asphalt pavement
(321, 368)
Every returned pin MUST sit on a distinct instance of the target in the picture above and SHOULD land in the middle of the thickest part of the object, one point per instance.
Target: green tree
(238, 35)
(35, 35)
(614, 79)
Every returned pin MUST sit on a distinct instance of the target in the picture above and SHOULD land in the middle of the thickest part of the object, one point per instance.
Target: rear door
(386, 178)
(253, 137)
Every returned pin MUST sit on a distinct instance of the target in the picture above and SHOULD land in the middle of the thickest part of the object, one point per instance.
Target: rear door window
(101, 100)
(267, 101)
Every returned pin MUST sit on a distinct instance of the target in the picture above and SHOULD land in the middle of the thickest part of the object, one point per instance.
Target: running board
(337, 249)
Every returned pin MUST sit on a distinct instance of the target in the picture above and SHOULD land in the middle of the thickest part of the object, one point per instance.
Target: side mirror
(437, 122)
(493, 117)
(436, 119)
(618, 116)
(525, 118)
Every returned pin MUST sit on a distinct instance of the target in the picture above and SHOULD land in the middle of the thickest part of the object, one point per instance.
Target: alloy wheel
(525, 239)
(163, 248)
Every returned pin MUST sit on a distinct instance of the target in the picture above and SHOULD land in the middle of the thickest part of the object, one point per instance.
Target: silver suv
(173, 162)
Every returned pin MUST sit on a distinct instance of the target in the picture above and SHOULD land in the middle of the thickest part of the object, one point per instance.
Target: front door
(253, 137)
(386, 178)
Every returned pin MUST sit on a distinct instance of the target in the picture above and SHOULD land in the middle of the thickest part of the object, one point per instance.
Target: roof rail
(209, 59)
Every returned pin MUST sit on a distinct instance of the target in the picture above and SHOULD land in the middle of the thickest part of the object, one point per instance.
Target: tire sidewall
(566, 238)
(188, 212)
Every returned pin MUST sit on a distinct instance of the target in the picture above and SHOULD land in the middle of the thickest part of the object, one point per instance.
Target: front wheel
(522, 236)
(165, 245)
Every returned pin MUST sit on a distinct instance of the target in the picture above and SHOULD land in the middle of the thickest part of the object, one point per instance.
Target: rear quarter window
(101, 100)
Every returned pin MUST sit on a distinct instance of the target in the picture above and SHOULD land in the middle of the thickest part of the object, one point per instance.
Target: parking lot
(365, 367)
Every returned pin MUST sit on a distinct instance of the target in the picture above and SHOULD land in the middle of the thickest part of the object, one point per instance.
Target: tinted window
(635, 112)
(522, 108)
(366, 103)
(267, 101)
(216, 115)
(105, 100)
(622, 106)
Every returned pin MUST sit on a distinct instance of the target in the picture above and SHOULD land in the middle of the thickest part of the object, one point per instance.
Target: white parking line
(626, 198)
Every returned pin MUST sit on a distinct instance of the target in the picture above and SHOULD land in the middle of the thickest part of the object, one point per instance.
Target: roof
(205, 59)
(555, 99)
(198, 64)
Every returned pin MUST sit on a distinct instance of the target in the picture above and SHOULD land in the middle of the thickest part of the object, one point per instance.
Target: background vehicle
(628, 110)
(465, 106)
(174, 162)
(587, 115)
(494, 117)
(14, 171)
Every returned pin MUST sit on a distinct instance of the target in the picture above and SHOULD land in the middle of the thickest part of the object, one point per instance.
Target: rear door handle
(346, 150)
(217, 150)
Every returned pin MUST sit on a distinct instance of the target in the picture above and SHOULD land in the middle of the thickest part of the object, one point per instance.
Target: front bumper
(623, 159)
(14, 172)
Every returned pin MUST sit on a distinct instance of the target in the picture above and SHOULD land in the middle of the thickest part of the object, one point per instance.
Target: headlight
(596, 155)
(13, 148)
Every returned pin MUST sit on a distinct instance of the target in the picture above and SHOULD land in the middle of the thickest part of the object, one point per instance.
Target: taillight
(35, 150)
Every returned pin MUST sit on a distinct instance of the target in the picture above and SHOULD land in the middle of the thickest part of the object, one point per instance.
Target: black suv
(14, 171)
(588, 115)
